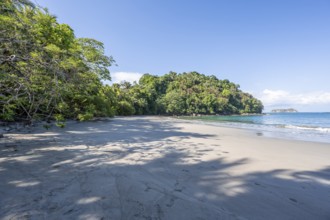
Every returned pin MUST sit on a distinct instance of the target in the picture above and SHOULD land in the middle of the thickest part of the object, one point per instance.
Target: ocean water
(299, 126)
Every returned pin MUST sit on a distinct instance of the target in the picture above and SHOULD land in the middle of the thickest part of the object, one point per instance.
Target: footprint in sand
(147, 188)
(171, 202)
(12, 147)
(56, 166)
(260, 185)
(204, 150)
(293, 200)
(177, 187)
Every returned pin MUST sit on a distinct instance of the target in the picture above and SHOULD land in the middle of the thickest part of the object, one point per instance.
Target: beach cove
(160, 168)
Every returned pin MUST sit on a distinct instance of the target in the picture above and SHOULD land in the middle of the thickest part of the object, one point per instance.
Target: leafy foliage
(46, 73)
(45, 70)
(186, 94)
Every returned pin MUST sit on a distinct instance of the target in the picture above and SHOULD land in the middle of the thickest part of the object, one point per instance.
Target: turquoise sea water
(301, 126)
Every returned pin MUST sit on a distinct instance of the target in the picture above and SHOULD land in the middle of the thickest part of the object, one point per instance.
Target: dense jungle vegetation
(47, 73)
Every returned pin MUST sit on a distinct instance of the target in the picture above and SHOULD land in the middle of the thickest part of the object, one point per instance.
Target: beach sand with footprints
(160, 168)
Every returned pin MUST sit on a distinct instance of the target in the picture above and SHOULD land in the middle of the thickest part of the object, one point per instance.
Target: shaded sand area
(160, 168)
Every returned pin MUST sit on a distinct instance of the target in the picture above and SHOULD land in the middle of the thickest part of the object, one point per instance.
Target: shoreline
(160, 168)
(288, 132)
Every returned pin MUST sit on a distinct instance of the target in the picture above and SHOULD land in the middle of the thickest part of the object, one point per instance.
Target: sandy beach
(160, 168)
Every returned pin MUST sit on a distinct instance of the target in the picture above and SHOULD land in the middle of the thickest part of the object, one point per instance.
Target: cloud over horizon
(118, 77)
(284, 98)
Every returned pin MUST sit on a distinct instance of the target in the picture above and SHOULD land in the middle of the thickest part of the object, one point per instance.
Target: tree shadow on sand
(145, 170)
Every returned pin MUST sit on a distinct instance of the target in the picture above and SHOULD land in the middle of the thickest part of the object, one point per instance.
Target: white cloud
(118, 77)
(281, 97)
(271, 97)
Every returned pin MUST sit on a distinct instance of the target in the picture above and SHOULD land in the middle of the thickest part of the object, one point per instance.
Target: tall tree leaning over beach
(45, 71)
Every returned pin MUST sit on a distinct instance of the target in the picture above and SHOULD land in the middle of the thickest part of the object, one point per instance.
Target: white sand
(161, 168)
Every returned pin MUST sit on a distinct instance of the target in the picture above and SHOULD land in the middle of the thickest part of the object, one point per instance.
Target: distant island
(284, 110)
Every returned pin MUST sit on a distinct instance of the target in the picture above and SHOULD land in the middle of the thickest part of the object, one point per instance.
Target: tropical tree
(45, 70)
(187, 94)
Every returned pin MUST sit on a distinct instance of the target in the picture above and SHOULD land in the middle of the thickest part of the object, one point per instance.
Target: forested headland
(47, 73)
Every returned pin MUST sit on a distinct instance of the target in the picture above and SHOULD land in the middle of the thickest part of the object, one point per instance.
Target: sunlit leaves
(45, 70)
(186, 94)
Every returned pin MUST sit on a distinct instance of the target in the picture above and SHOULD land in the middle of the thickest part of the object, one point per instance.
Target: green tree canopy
(45, 70)
(46, 73)
(186, 94)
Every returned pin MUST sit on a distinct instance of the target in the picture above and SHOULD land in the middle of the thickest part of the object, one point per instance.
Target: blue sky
(278, 50)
